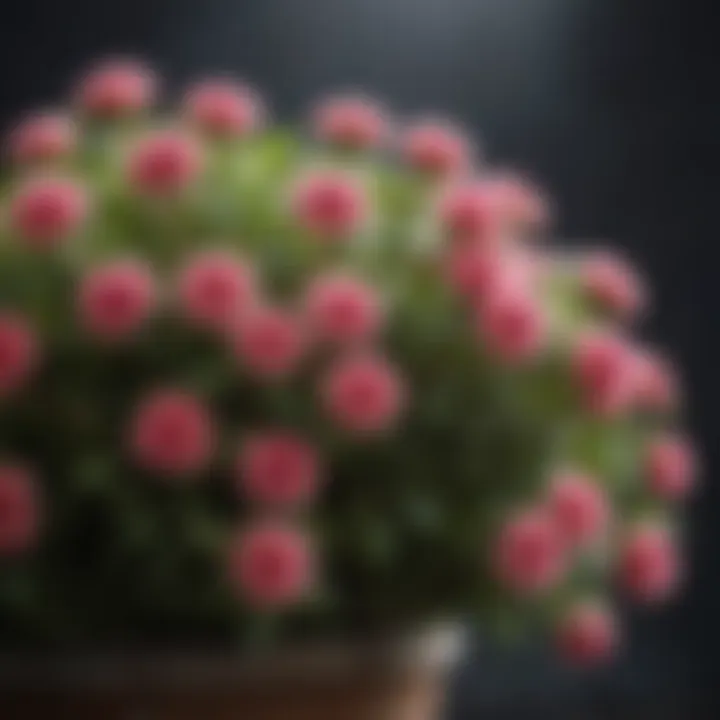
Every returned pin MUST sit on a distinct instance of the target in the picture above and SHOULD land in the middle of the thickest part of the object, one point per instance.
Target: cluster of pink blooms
(485, 258)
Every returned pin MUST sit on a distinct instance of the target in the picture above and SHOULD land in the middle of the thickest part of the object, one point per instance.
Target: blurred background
(611, 104)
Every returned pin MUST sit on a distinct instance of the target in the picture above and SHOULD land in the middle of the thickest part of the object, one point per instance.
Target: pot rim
(433, 649)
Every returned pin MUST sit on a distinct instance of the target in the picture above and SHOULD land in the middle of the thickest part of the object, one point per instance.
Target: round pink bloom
(517, 203)
(512, 324)
(530, 553)
(474, 271)
(613, 284)
(656, 385)
(19, 509)
(164, 163)
(363, 394)
(270, 342)
(278, 468)
(173, 433)
(603, 367)
(18, 353)
(579, 506)
(45, 212)
(224, 108)
(436, 148)
(271, 565)
(115, 299)
(117, 88)
(355, 123)
(670, 466)
(42, 138)
(343, 309)
(650, 567)
(329, 203)
(214, 287)
(587, 634)
(466, 214)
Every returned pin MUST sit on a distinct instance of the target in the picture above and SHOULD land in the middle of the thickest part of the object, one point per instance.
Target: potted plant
(287, 402)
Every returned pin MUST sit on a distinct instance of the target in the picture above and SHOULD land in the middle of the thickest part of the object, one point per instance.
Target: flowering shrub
(250, 380)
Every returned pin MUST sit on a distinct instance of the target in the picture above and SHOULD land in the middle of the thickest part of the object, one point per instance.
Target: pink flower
(343, 309)
(223, 108)
(670, 466)
(355, 123)
(18, 353)
(172, 433)
(45, 212)
(612, 283)
(117, 88)
(512, 324)
(474, 271)
(270, 342)
(43, 138)
(19, 509)
(164, 163)
(278, 468)
(214, 287)
(530, 553)
(330, 204)
(436, 148)
(603, 367)
(115, 299)
(466, 214)
(516, 202)
(579, 507)
(587, 634)
(271, 565)
(650, 567)
(656, 385)
(363, 394)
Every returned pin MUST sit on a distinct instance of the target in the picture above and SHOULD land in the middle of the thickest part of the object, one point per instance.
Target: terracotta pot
(397, 679)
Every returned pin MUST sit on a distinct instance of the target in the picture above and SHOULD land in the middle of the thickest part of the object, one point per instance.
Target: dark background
(612, 104)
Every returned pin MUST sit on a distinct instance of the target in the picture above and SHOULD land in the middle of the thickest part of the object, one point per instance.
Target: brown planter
(399, 679)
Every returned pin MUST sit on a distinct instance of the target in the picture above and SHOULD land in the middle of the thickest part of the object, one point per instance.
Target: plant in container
(293, 400)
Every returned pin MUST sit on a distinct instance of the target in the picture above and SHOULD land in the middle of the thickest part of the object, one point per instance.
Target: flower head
(530, 553)
(517, 204)
(215, 287)
(603, 367)
(45, 212)
(172, 433)
(278, 468)
(512, 324)
(587, 634)
(343, 309)
(18, 352)
(351, 122)
(271, 565)
(656, 384)
(42, 138)
(473, 271)
(115, 299)
(579, 507)
(164, 163)
(613, 284)
(650, 567)
(269, 341)
(670, 466)
(223, 108)
(117, 88)
(436, 148)
(466, 214)
(19, 509)
(330, 204)
(363, 394)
